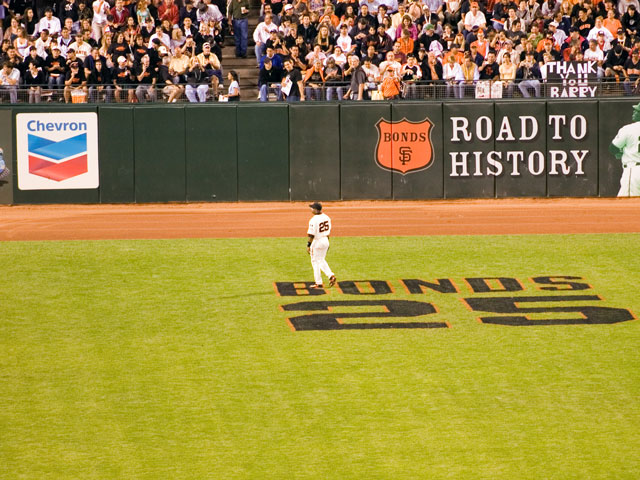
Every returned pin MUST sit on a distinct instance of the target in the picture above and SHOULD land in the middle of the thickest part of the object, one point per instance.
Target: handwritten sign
(572, 79)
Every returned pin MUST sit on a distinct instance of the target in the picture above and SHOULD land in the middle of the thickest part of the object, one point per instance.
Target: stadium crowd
(130, 50)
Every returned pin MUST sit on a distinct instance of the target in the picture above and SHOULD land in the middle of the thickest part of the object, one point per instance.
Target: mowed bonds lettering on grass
(172, 359)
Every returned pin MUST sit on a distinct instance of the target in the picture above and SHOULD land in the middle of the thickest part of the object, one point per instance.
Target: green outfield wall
(320, 151)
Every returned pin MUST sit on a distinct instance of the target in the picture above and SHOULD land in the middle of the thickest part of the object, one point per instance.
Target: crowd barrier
(429, 91)
(310, 151)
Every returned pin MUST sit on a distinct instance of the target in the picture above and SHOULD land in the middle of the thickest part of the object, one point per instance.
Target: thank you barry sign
(57, 151)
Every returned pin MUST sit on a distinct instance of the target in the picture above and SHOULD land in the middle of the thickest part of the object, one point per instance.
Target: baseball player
(318, 244)
(4, 171)
(626, 147)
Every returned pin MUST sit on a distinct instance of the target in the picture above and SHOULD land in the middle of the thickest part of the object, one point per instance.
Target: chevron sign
(57, 151)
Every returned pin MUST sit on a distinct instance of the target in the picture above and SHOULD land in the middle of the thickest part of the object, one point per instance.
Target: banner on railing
(571, 79)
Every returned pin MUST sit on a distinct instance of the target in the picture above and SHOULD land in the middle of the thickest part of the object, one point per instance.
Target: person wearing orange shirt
(611, 23)
(481, 43)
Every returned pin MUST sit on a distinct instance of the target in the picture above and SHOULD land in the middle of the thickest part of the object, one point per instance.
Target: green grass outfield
(168, 359)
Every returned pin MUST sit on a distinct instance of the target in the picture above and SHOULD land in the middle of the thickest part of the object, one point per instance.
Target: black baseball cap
(316, 206)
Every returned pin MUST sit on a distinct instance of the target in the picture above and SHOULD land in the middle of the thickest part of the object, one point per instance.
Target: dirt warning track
(289, 219)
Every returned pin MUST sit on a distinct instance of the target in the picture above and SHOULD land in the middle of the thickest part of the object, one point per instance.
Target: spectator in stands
(64, 41)
(76, 82)
(407, 24)
(507, 75)
(292, 85)
(120, 14)
(100, 82)
(594, 53)
(9, 81)
(313, 81)
(470, 74)
(296, 59)
(90, 61)
(239, 16)
(344, 40)
(267, 9)
(122, 80)
(51, 23)
(631, 20)
(333, 79)
(558, 35)
(188, 28)
(197, 87)
(30, 21)
(612, 23)
(43, 44)
(142, 12)
(168, 10)
(21, 44)
(161, 35)
(211, 67)
(81, 47)
(410, 74)
(33, 80)
(474, 17)
(233, 94)
(501, 13)
(317, 54)
(261, 35)
(276, 60)
(32, 58)
(529, 76)
(338, 56)
(99, 20)
(632, 73)
(357, 87)
(307, 30)
(324, 39)
(55, 66)
(146, 78)
(269, 78)
(614, 64)
(453, 76)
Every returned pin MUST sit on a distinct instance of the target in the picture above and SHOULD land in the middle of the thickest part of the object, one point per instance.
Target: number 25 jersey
(319, 226)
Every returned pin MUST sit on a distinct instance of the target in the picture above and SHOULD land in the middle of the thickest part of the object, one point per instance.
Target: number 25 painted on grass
(589, 315)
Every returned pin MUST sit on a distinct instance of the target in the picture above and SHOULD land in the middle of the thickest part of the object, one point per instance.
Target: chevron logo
(58, 160)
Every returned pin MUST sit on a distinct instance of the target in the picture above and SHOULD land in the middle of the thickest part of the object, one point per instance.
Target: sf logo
(405, 154)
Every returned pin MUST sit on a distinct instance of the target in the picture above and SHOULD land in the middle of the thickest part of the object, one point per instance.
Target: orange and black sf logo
(404, 146)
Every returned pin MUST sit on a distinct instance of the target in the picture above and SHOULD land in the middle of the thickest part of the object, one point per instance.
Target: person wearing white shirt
(624, 4)
(43, 43)
(392, 5)
(99, 21)
(262, 33)
(49, 22)
(594, 53)
(160, 35)
(9, 79)
(64, 41)
(452, 74)
(344, 40)
(473, 18)
(81, 47)
(390, 67)
(339, 57)
(599, 28)
(318, 244)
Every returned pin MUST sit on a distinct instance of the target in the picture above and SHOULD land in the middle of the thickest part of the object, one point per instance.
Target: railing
(408, 91)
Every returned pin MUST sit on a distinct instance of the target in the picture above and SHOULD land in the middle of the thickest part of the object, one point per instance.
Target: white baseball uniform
(320, 228)
(628, 140)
